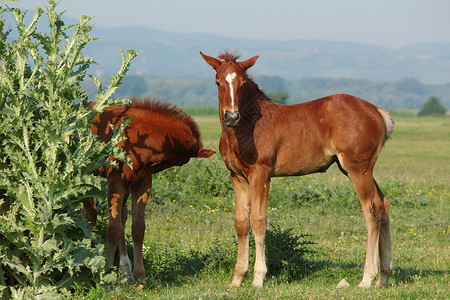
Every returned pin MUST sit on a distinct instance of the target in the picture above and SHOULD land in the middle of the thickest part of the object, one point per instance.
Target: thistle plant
(48, 155)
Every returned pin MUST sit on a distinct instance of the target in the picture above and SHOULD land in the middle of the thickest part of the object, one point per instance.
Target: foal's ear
(248, 63)
(215, 63)
(205, 153)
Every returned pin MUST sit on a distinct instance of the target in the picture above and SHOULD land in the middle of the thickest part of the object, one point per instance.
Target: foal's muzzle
(231, 118)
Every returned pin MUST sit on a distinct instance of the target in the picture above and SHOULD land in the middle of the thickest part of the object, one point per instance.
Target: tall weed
(48, 156)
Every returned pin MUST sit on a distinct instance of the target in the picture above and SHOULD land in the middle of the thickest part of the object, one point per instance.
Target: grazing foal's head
(231, 81)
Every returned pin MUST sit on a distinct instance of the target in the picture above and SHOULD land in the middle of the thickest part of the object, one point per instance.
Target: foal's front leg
(242, 224)
(259, 192)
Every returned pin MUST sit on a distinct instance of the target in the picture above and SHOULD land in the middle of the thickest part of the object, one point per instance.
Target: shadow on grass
(410, 275)
(174, 268)
(285, 260)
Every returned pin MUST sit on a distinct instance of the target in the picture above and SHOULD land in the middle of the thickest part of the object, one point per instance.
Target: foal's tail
(388, 121)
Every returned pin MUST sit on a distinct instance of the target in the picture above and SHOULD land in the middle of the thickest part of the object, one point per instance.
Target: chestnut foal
(262, 139)
(159, 136)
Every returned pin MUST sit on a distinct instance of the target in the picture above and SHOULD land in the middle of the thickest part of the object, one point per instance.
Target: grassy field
(190, 240)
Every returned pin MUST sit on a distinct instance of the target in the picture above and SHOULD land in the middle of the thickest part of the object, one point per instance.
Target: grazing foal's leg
(89, 211)
(259, 191)
(242, 224)
(117, 197)
(140, 193)
(386, 268)
(125, 263)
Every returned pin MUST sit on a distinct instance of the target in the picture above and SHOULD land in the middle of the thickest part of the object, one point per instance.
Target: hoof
(236, 282)
(238, 278)
(382, 282)
(365, 284)
(258, 281)
(257, 284)
(125, 266)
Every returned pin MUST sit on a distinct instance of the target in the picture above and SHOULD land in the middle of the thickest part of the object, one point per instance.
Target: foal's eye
(218, 84)
(244, 84)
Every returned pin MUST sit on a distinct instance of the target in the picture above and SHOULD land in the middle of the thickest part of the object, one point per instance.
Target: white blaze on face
(229, 79)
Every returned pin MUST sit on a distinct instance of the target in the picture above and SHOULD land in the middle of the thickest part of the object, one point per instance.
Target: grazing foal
(159, 136)
(262, 139)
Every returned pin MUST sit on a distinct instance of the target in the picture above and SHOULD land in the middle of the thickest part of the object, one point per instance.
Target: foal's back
(159, 135)
(318, 131)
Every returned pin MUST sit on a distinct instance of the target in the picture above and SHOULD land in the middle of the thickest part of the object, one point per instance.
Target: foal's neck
(252, 94)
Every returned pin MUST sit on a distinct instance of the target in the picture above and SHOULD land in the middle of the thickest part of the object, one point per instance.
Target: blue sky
(389, 23)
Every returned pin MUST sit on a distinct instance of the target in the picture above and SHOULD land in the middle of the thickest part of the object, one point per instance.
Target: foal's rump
(359, 130)
(352, 121)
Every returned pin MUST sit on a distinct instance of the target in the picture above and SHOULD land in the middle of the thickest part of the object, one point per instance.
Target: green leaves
(48, 156)
(433, 106)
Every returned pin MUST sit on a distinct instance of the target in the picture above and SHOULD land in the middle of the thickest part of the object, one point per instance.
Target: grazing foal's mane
(164, 109)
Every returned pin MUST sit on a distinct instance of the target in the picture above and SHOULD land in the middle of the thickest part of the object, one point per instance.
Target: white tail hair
(388, 121)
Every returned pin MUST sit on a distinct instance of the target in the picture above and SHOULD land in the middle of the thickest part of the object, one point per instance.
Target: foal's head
(231, 81)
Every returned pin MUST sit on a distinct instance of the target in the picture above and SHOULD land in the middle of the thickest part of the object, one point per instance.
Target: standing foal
(262, 139)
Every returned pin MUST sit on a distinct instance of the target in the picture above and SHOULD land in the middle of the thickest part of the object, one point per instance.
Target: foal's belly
(298, 167)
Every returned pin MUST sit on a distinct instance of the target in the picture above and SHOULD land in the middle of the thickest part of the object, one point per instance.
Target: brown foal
(159, 136)
(262, 139)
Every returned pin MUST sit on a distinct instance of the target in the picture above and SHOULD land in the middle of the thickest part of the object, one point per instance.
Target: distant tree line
(407, 93)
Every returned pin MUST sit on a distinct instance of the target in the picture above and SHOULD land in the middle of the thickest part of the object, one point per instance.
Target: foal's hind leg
(372, 209)
(140, 193)
(386, 268)
(125, 263)
(117, 197)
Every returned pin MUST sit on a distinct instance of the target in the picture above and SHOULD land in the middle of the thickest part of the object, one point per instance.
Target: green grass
(191, 245)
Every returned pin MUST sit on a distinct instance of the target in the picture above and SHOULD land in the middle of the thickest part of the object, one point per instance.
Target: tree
(47, 157)
(433, 106)
(278, 97)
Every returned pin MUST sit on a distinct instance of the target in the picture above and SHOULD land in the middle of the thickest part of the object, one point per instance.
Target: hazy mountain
(174, 70)
(173, 54)
(177, 55)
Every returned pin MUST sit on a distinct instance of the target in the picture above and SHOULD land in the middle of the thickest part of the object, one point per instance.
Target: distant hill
(171, 68)
(174, 71)
(176, 55)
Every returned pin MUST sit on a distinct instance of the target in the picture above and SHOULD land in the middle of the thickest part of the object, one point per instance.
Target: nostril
(231, 118)
(231, 115)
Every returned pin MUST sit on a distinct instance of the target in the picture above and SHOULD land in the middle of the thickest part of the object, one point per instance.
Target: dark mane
(261, 94)
(167, 109)
(229, 56)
